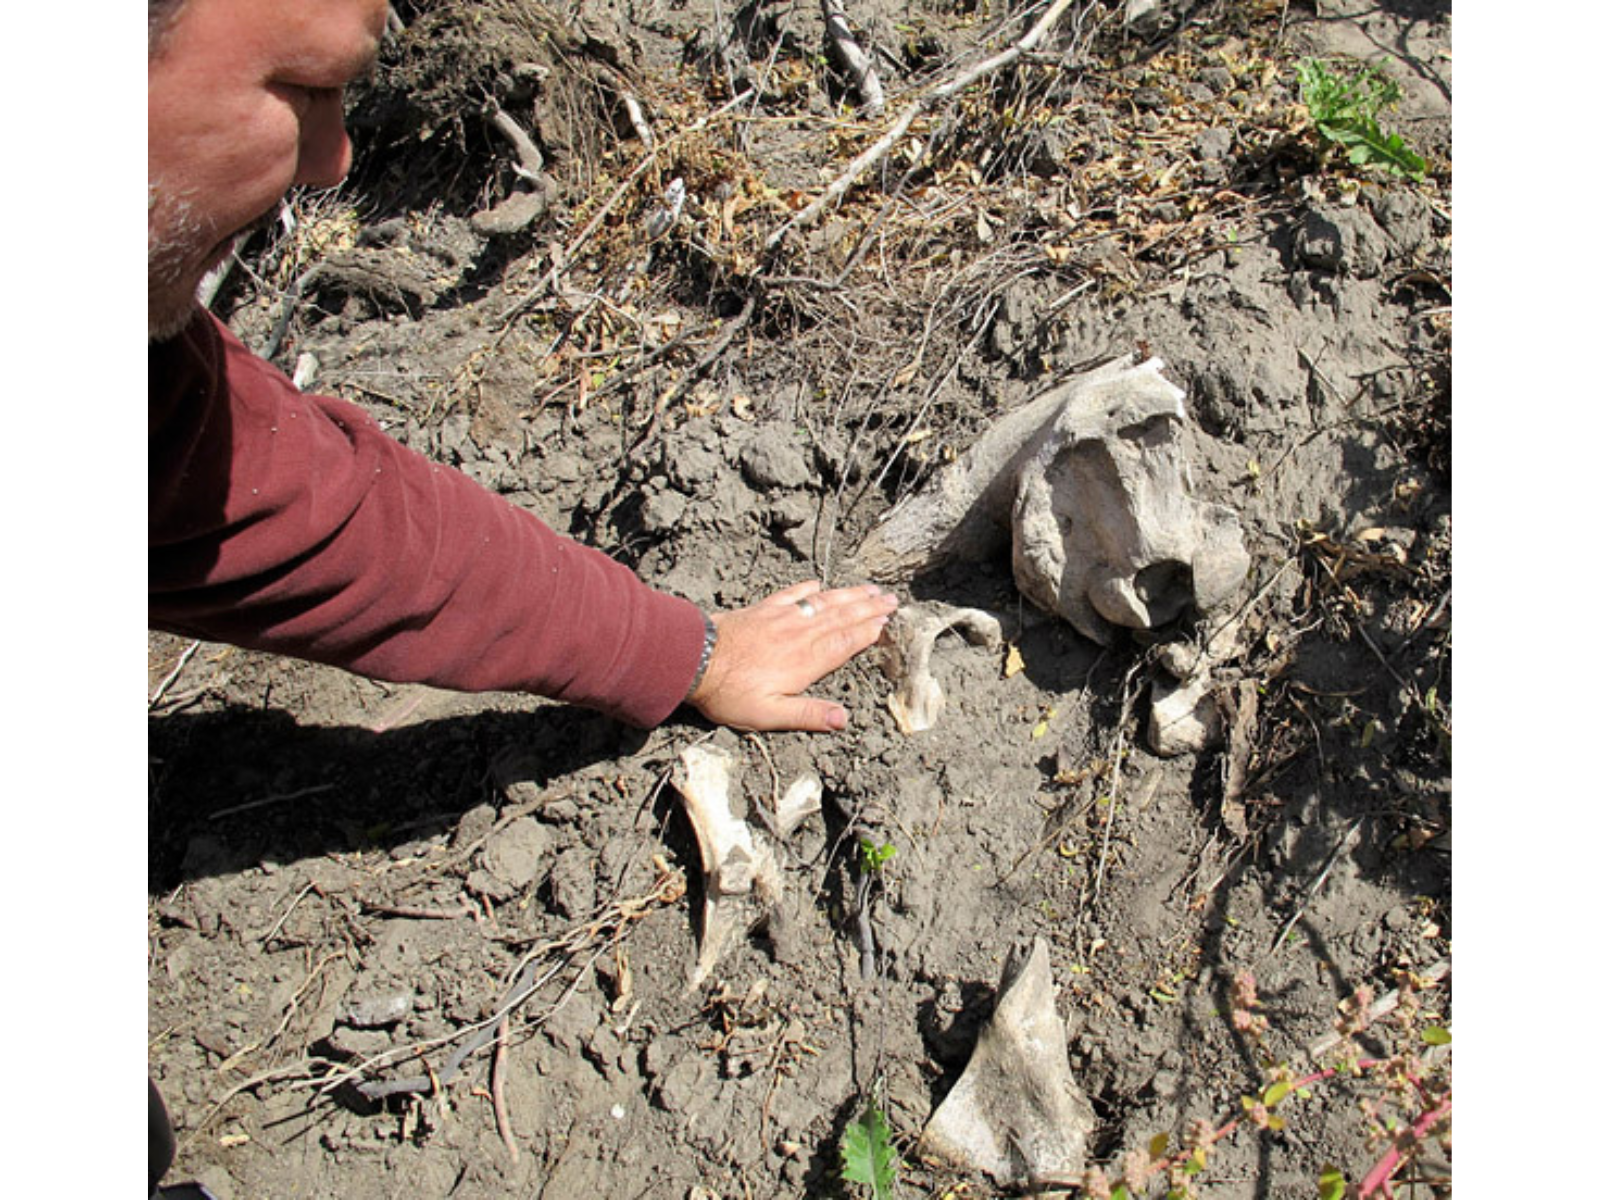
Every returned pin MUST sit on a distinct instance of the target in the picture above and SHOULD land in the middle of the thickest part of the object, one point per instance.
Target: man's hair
(162, 15)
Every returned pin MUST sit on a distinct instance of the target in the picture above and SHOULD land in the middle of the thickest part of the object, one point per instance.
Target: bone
(802, 798)
(742, 880)
(1184, 715)
(918, 698)
(1089, 485)
(1016, 1113)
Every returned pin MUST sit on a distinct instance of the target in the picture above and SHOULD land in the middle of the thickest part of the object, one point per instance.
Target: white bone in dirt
(742, 880)
(1016, 1113)
(908, 640)
(1089, 483)
(1184, 716)
(802, 798)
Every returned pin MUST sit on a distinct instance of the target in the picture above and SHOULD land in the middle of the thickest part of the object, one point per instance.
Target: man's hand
(767, 655)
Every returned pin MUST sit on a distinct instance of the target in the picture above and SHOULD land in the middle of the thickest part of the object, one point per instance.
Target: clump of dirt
(402, 938)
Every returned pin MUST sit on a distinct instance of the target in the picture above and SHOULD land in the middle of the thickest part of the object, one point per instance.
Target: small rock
(572, 887)
(663, 511)
(1211, 145)
(475, 823)
(773, 459)
(515, 855)
(1149, 98)
(791, 511)
(1345, 241)
(358, 1043)
(376, 1011)
(683, 1088)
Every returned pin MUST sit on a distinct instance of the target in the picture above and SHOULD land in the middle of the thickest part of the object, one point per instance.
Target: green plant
(1344, 108)
(1421, 1096)
(868, 1157)
(873, 856)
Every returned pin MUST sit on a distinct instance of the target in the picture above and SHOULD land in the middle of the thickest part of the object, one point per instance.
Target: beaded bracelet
(705, 655)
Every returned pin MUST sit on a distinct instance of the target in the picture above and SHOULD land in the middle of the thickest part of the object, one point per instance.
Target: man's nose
(324, 146)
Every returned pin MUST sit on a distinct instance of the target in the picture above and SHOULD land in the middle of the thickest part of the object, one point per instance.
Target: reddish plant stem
(1394, 1158)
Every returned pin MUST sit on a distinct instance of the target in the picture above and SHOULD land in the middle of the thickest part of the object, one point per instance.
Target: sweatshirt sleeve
(290, 522)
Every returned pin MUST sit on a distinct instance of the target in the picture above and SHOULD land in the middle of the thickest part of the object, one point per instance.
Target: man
(288, 522)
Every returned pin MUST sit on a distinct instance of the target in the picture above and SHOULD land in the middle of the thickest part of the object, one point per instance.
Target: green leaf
(1345, 112)
(1436, 1035)
(1330, 1184)
(1276, 1093)
(868, 1157)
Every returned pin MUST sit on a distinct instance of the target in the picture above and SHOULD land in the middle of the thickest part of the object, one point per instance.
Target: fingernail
(838, 718)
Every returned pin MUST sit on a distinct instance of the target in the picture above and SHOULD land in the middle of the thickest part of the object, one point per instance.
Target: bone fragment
(1184, 715)
(1016, 1113)
(918, 698)
(1089, 485)
(742, 880)
(803, 797)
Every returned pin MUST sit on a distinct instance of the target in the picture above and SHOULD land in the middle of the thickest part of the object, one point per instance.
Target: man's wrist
(705, 657)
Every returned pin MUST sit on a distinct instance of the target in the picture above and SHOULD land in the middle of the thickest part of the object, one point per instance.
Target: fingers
(829, 610)
(808, 714)
(794, 592)
(768, 655)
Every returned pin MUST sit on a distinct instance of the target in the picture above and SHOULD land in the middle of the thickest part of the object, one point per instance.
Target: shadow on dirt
(234, 788)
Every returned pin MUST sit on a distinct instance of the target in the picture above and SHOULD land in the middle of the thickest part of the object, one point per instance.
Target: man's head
(245, 101)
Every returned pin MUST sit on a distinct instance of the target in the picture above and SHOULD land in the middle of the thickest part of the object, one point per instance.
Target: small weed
(1412, 1104)
(1345, 107)
(868, 1158)
(873, 856)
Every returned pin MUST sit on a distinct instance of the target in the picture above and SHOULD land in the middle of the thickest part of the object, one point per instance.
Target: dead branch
(610, 926)
(856, 60)
(920, 105)
(561, 256)
(172, 676)
(530, 161)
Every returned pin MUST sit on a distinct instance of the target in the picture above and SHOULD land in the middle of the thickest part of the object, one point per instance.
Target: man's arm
(292, 523)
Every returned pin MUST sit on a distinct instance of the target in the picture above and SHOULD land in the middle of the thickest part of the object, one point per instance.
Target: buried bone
(908, 640)
(1016, 1113)
(1089, 484)
(1184, 714)
(802, 798)
(742, 880)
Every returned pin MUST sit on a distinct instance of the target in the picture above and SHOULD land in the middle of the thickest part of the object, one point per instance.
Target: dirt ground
(348, 879)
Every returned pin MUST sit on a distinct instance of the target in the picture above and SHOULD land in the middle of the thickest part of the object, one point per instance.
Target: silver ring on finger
(807, 609)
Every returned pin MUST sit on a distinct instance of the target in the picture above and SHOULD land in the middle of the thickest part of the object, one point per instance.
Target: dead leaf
(1014, 662)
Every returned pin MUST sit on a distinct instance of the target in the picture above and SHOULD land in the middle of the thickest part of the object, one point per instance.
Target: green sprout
(1345, 107)
(873, 856)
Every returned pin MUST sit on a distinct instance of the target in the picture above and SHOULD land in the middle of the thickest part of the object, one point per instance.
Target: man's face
(245, 101)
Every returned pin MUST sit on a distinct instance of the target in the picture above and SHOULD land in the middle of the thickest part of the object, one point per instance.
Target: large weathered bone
(1016, 1113)
(1089, 483)
(908, 640)
(742, 880)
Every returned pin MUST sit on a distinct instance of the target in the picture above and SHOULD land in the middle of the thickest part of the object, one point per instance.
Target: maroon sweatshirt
(290, 522)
